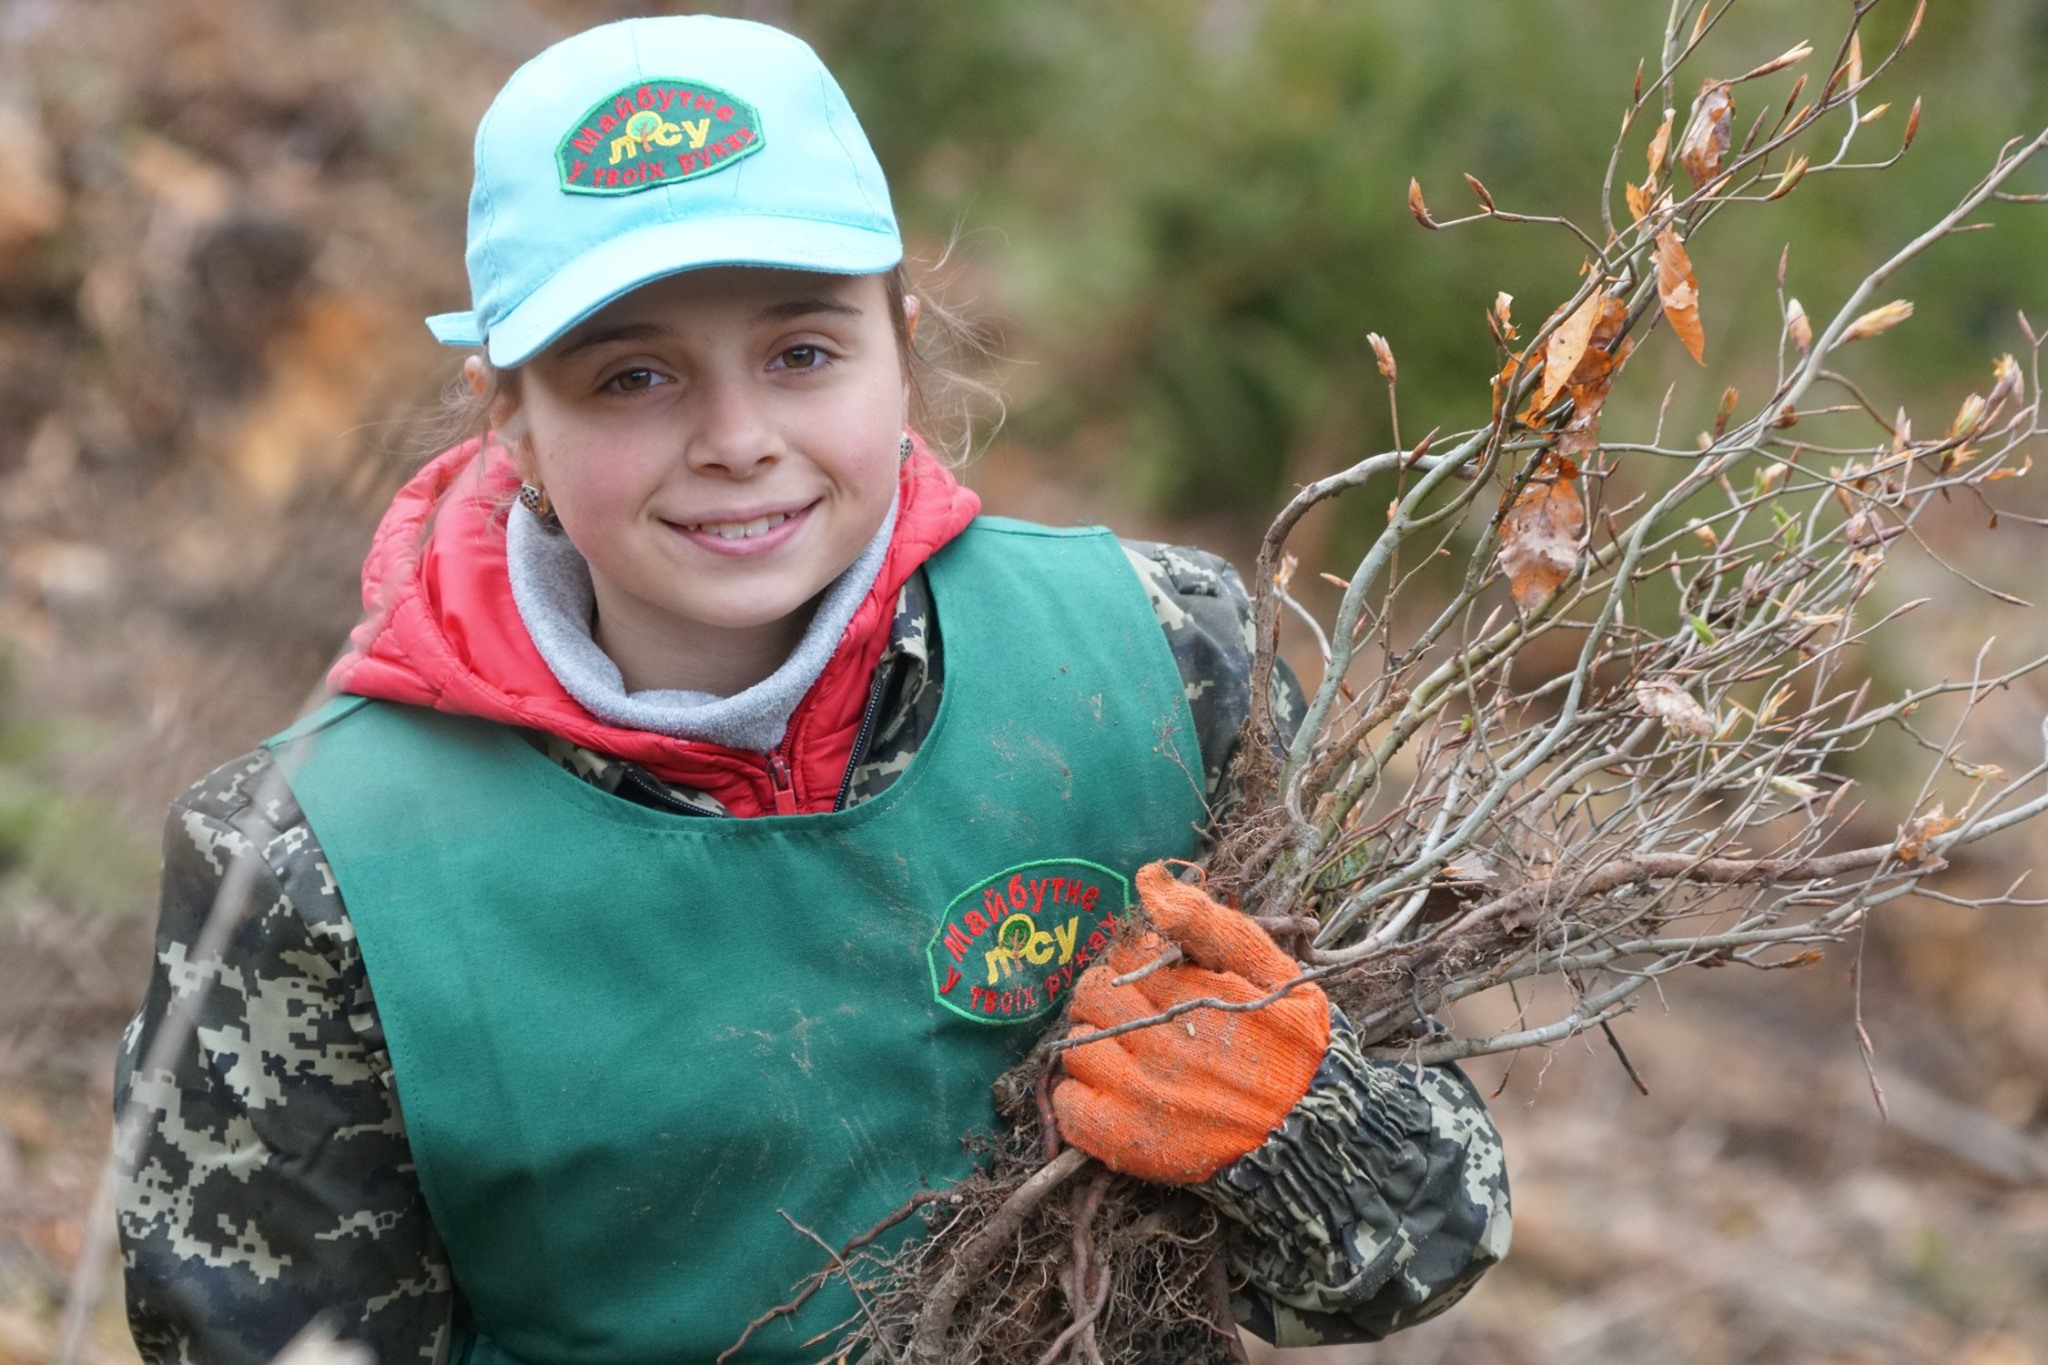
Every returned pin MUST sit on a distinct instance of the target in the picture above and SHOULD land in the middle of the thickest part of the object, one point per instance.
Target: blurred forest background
(220, 224)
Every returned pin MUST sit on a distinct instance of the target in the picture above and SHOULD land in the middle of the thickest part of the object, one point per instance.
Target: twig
(1167, 958)
(1607, 1029)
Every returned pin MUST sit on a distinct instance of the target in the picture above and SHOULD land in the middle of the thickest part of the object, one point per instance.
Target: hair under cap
(651, 146)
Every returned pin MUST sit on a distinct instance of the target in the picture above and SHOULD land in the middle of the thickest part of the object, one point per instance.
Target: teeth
(741, 530)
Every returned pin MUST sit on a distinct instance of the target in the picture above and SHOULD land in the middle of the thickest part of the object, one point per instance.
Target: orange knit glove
(1176, 1102)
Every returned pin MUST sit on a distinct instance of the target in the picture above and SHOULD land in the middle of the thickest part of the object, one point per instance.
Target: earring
(535, 500)
(904, 447)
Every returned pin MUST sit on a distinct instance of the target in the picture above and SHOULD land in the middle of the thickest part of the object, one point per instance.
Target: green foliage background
(1190, 215)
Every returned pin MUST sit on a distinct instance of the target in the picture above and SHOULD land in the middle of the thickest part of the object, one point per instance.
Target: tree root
(928, 1342)
(1007, 1273)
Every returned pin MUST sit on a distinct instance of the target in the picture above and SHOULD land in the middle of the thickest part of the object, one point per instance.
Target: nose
(732, 434)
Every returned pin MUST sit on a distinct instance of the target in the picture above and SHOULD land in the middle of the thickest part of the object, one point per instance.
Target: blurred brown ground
(217, 234)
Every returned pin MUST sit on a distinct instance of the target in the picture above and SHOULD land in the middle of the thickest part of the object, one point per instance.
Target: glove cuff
(1403, 1160)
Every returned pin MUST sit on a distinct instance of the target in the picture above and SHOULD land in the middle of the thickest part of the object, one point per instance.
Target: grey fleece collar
(551, 585)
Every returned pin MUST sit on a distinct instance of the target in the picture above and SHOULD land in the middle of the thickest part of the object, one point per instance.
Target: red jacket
(441, 630)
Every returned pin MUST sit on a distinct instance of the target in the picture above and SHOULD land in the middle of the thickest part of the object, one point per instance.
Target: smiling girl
(725, 442)
(712, 805)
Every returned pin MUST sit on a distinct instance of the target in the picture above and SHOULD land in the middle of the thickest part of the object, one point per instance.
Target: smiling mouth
(740, 530)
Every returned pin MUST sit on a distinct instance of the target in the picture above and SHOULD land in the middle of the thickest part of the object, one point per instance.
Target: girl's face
(720, 445)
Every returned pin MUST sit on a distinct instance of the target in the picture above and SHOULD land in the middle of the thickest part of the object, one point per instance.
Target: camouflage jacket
(273, 1181)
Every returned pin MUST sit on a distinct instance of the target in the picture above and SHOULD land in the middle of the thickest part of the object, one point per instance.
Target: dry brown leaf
(1665, 700)
(1914, 841)
(1588, 382)
(1502, 320)
(1707, 132)
(1567, 346)
(1463, 880)
(1541, 538)
(1679, 291)
(1878, 320)
(1607, 332)
(1638, 202)
(1797, 327)
(1503, 383)
(1577, 443)
(1469, 869)
(1660, 150)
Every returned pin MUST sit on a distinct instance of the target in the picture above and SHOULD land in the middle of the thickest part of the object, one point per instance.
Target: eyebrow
(625, 331)
(797, 308)
(785, 311)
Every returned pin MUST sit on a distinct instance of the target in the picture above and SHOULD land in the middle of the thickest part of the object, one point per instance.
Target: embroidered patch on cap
(1011, 946)
(656, 133)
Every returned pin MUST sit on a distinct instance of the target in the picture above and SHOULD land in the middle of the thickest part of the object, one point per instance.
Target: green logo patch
(656, 133)
(1011, 945)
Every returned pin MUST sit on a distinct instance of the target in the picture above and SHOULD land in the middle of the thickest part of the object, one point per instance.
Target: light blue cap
(650, 146)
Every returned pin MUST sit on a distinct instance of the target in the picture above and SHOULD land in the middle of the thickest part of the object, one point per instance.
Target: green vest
(628, 1041)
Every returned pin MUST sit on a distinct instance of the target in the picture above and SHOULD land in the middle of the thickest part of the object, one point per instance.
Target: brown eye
(632, 381)
(801, 358)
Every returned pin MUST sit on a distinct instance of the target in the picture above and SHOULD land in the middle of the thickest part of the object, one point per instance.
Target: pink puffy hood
(441, 629)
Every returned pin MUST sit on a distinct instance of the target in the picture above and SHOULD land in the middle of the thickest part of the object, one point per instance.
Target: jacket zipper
(785, 789)
(861, 739)
(660, 796)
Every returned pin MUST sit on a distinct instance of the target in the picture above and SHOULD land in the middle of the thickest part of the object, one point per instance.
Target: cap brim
(623, 264)
(456, 329)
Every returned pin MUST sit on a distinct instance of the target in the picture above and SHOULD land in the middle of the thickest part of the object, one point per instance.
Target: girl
(710, 808)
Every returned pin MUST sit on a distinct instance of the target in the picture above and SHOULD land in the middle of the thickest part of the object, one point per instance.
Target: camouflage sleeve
(1207, 618)
(272, 1181)
(1377, 1204)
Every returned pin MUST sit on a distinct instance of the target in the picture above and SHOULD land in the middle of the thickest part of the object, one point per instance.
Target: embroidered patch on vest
(656, 133)
(1010, 946)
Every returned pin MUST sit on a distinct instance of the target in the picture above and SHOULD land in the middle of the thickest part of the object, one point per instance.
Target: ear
(506, 416)
(911, 309)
